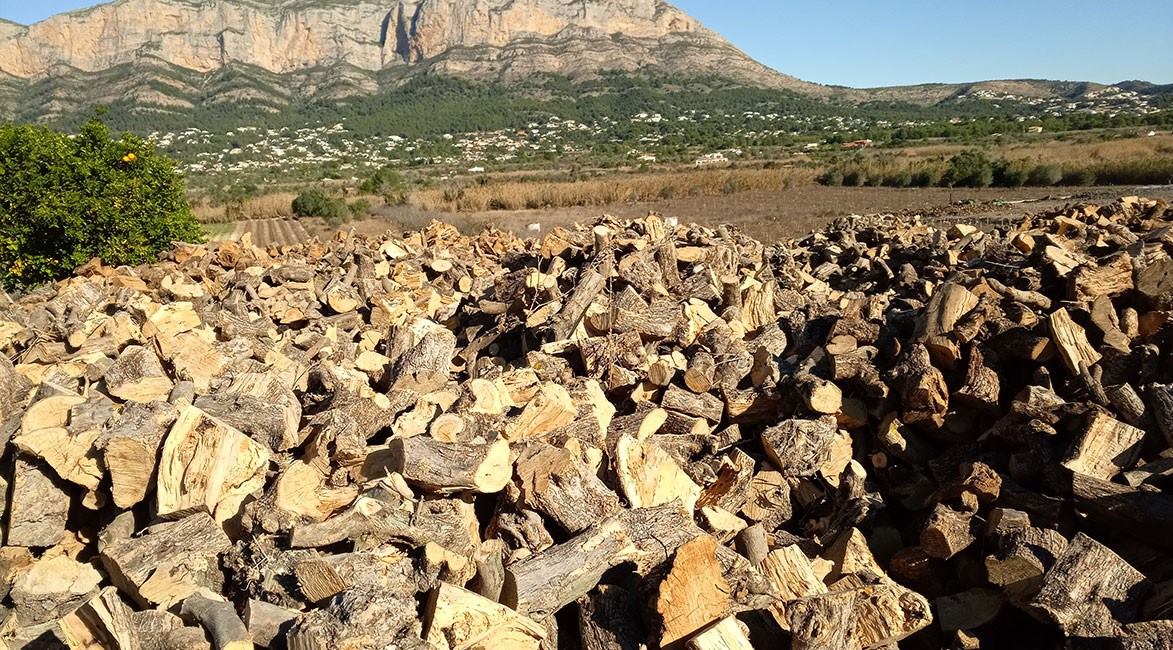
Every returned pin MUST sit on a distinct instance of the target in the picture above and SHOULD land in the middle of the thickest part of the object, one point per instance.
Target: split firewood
(130, 449)
(799, 447)
(105, 621)
(726, 634)
(169, 561)
(865, 617)
(457, 618)
(1104, 447)
(268, 624)
(52, 587)
(1071, 341)
(642, 434)
(138, 376)
(38, 505)
(556, 484)
(693, 594)
(650, 477)
(207, 465)
(609, 619)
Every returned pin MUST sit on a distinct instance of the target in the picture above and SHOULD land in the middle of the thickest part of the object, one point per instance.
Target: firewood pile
(619, 437)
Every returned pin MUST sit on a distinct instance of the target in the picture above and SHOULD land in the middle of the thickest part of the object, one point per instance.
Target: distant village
(278, 153)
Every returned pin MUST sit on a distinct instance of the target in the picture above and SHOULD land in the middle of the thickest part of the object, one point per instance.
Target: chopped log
(969, 609)
(1071, 341)
(705, 406)
(1091, 591)
(261, 406)
(1161, 403)
(576, 306)
(52, 587)
(544, 583)
(38, 505)
(818, 395)
(792, 576)
(799, 448)
(138, 376)
(207, 465)
(949, 303)
(104, 622)
(948, 532)
(444, 468)
(131, 450)
(726, 634)
(924, 395)
(699, 375)
(550, 409)
(1104, 448)
(1143, 513)
(564, 489)
(866, 617)
(268, 624)
(457, 618)
(693, 594)
(609, 619)
(219, 618)
(1022, 557)
(168, 562)
(650, 477)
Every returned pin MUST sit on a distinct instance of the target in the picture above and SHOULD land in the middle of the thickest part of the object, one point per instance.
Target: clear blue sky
(873, 42)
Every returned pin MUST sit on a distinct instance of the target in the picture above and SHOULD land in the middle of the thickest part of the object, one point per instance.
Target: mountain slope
(374, 43)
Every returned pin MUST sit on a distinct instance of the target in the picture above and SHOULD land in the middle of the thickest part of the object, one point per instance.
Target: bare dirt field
(765, 215)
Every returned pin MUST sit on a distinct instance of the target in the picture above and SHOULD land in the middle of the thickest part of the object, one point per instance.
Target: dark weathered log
(1091, 591)
(1142, 513)
(609, 619)
(219, 618)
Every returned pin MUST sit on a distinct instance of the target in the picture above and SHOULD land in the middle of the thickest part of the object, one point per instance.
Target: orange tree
(65, 199)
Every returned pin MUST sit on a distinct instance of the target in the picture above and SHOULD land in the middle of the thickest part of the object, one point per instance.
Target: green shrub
(854, 178)
(970, 168)
(902, 178)
(832, 177)
(317, 202)
(1008, 174)
(1079, 178)
(926, 177)
(65, 200)
(360, 208)
(1045, 176)
(388, 183)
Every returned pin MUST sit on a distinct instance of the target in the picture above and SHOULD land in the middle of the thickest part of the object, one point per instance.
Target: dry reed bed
(518, 195)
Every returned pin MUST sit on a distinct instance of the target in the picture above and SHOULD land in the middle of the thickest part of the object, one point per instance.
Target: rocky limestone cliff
(483, 37)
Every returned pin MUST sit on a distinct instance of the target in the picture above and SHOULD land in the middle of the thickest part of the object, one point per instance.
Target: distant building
(647, 157)
(711, 159)
(1034, 129)
(476, 170)
(859, 144)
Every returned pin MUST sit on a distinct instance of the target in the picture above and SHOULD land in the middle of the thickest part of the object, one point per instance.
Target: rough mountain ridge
(506, 39)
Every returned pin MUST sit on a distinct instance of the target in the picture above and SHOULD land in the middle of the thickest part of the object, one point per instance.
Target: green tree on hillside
(65, 199)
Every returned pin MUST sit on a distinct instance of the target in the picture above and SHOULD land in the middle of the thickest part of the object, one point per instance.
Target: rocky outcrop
(488, 38)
